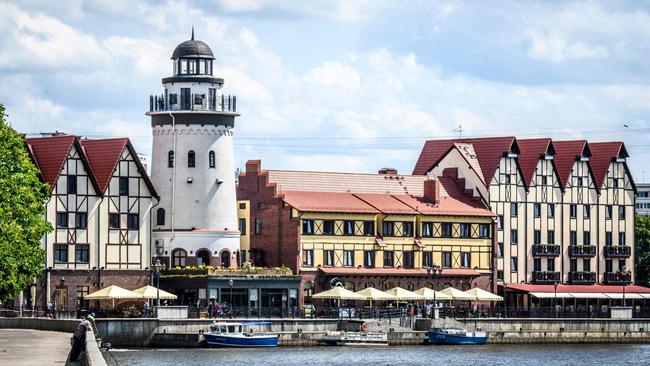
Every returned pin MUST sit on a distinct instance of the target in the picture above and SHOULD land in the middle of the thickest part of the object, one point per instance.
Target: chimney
(387, 171)
(253, 166)
(432, 190)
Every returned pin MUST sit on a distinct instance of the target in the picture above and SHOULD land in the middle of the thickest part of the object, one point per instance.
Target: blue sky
(340, 85)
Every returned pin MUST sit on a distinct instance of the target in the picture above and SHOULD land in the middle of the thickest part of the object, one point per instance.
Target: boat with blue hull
(452, 336)
(223, 334)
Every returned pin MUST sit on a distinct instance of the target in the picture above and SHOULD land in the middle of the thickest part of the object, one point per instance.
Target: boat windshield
(222, 329)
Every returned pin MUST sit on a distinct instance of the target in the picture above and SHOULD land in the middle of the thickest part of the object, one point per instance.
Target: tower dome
(192, 48)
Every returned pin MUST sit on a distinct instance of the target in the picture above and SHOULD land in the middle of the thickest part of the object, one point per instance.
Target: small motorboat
(355, 338)
(223, 334)
(455, 336)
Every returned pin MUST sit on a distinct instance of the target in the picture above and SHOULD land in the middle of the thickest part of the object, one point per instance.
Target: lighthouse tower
(192, 165)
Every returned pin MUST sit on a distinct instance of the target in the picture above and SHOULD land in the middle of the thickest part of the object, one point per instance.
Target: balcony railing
(546, 277)
(195, 102)
(546, 250)
(618, 251)
(582, 250)
(582, 278)
(618, 278)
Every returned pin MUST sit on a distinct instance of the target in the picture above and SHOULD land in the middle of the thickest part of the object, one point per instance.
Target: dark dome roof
(192, 48)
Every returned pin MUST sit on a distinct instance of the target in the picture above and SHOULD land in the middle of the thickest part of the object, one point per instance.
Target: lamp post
(232, 308)
(555, 298)
(158, 267)
(432, 271)
(623, 271)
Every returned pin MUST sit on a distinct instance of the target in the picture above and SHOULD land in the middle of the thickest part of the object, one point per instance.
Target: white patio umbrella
(338, 293)
(430, 294)
(457, 294)
(403, 294)
(482, 295)
(112, 292)
(372, 294)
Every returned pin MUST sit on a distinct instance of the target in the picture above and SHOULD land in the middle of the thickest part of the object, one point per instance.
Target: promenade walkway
(33, 347)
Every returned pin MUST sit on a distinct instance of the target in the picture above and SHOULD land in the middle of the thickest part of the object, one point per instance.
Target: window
(407, 229)
(465, 259)
(551, 210)
(513, 264)
(615, 182)
(409, 259)
(178, 257)
(543, 180)
(72, 184)
(427, 259)
(500, 275)
(446, 229)
(609, 266)
(80, 220)
(389, 257)
(587, 211)
(369, 228)
(608, 212)
(328, 227)
(537, 209)
(500, 221)
(124, 186)
(621, 265)
(573, 237)
(328, 258)
(242, 256)
(573, 211)
(242, 226)
(369, 258)
(61, 253)
(550, 265)
(427, 229)
(514, 236)
(82, 291)
(173, 98)
(513, 209)
(446, 259)
(586, 238)
(621, 238)
(500, 249)
(608, 238)
(191, 66)
(114, 221)
(242, 206)
(81, 253)
(537, 264)
(550, 236)
(308, 257)
(191, 159)
(621, 212)
(579, 182)
(537, 237)
(183, 66)
(132, 221)
(388, 228)
(573, 265)
(507, 178)
(348, 258)
(586, 265)
(170, 159)
(464, 230)
(258, 226)
(484, 230)
(348, 227)
(307, 227)
(62, 220)
(211, 160)
(160, 216)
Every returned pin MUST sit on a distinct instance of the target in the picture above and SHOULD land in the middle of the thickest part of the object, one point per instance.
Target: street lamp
(158, 266)
(232, 308)
(431, 271)
(623, 271)
(555, 298)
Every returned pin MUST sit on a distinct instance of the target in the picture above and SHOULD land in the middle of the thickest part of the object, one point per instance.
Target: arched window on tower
(203, 257)
(170, 159)
(211, 159)
(160, 216)
(225, 258)
(191, 159)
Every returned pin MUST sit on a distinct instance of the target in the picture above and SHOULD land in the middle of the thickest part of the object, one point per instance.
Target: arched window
(160, 216)
(170, 159)
(178, 257)
(410, 286)
(225, 258)
(203, 258)
(211, 159)
(191, 159)
(349, 286)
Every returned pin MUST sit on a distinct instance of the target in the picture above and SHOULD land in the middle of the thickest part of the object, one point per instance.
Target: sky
(340, 85)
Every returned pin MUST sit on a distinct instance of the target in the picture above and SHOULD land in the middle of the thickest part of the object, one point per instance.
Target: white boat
(224, 334)
(338, 338)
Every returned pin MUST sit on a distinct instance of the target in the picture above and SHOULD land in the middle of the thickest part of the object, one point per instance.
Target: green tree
(22, 213)
(642, 249)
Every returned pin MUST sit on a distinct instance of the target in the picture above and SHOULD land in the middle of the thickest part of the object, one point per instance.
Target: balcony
(195, 102)
(618, 278)
(582, 250)
(582, 278)
(546, 277)
(546, 250)
(618, 251)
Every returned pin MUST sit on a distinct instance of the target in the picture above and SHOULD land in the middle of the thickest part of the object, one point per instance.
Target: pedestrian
(198, 305)
(210, 309)
(49, 308)
(146, 308)
(218, 310)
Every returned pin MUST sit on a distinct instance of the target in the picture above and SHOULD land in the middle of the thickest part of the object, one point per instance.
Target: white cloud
(555, 47)
(334, 74)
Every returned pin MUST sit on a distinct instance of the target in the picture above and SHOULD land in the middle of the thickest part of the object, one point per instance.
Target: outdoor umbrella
(402, 294)
(150, 292)
(482, 295)
(372, 294)
(112, 293)
(457, 294)
(338, 293)
(430, 294)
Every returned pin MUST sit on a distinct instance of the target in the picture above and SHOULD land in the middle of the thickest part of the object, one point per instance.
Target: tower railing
(195, 102)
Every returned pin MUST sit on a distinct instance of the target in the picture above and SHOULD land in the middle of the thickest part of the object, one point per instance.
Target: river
(507, 355)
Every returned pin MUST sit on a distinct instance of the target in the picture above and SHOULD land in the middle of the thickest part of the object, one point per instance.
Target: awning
(589, 295)
(628, 296)
(551, 295)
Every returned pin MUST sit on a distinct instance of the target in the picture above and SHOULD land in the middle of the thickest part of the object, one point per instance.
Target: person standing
(146, 308)
(49, 308)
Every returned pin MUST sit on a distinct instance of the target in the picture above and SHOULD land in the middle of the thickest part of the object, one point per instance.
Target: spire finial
(192, 33)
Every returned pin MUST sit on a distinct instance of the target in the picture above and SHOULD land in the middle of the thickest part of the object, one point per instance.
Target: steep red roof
(489, 151)
(579, 288)
(386, 203)
(396, 271)
(327, 202)
(566, 153)
(50, 154)
(530, 151)
(602, 154)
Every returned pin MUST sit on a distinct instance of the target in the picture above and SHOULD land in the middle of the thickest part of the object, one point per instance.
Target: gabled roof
(530, 151)
(566, 153)
(386, 203)
(327, 202)
(489, 151)
(602, 154)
